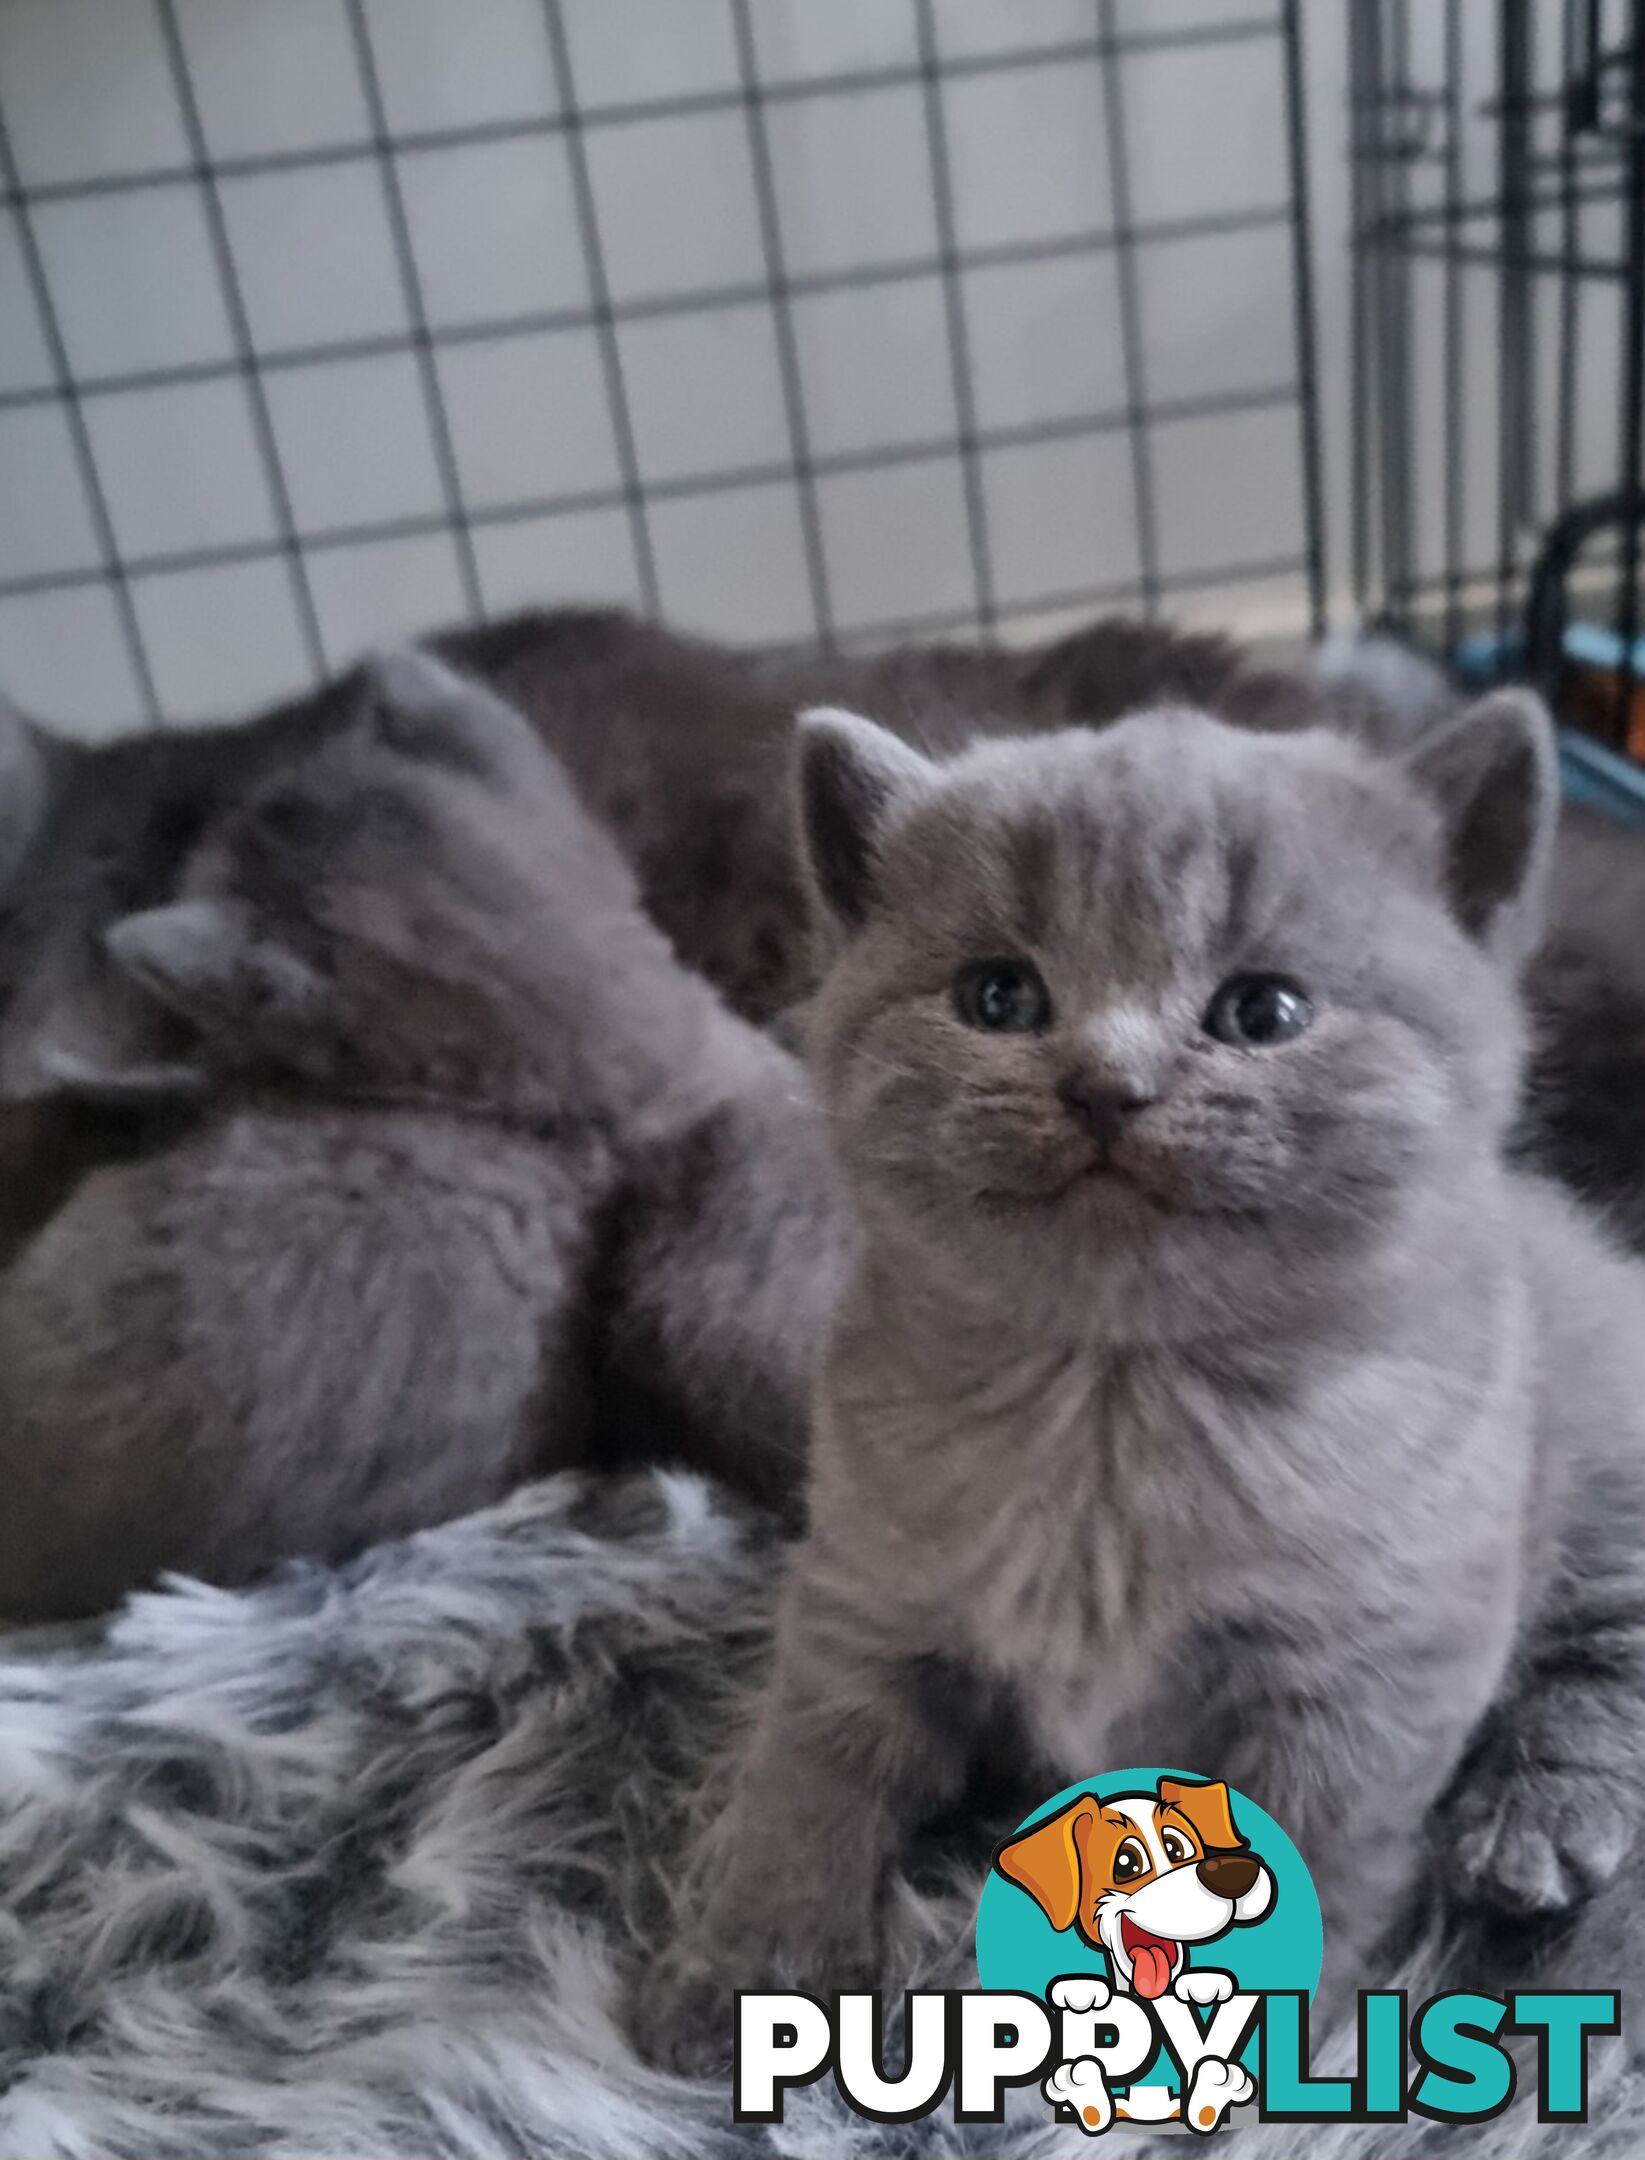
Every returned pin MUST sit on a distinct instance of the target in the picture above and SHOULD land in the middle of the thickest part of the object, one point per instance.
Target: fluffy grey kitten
(1207, 1391)
(425, 1024)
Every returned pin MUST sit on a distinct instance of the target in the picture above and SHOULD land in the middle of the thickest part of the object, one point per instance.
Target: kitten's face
(1158, 991)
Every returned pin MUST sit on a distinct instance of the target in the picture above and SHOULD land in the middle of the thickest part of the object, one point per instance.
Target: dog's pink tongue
(1151, 1969)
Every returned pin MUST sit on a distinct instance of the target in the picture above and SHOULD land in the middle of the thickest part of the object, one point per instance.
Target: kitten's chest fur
(1086, 1575)
(1072, 1520)
(1064, 1515)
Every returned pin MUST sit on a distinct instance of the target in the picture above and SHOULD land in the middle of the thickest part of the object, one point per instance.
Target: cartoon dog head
(1141, 1876)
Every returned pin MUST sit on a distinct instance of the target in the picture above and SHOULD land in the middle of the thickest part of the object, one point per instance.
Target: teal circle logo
(1140, 1877)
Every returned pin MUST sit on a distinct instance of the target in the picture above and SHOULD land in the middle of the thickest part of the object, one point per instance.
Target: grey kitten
(427, 1021)
(725, 1249)
(1207, 1390)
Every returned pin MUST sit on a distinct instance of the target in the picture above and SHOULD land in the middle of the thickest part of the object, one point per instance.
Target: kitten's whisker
(885, 1064)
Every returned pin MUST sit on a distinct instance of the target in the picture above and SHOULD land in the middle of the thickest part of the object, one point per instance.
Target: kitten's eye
(1130, 1862)
(1007, 996)
(1256, 1011)
(1175, 1847)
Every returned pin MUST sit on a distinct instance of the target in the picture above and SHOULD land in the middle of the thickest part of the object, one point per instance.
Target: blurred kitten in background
(419, 1025)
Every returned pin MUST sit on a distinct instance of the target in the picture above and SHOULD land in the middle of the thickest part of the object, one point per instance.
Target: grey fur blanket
(356, 1864)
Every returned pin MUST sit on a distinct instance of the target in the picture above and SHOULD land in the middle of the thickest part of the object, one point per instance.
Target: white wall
(250, 524)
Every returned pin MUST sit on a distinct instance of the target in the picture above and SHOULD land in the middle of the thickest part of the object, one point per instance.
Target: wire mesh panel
(1499, 337)
(323, 321)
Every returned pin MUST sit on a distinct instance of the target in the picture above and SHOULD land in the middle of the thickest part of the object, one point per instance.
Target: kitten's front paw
(1538, 1841)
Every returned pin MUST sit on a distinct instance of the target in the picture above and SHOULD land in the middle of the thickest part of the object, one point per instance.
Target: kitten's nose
(1101, 1106)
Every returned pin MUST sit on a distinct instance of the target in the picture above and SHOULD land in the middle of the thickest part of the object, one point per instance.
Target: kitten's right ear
(27, 758)
(1493, 773)
(854, 777)
(203, 959)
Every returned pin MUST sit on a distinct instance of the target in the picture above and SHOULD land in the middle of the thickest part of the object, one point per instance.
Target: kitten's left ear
(1494, 773)
(204, 959)
(854, 776)
(426, 710)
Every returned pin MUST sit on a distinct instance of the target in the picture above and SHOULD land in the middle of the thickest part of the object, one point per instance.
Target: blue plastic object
(1602, 779)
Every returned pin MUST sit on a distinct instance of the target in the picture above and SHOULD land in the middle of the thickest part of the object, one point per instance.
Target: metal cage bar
(1127, 233)
(1563, 120)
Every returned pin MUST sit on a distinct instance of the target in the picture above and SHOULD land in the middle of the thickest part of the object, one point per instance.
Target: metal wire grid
(1125, 236)
(1550, 237)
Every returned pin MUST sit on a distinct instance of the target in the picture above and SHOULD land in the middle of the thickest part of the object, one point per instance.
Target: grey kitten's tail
(1384, 689)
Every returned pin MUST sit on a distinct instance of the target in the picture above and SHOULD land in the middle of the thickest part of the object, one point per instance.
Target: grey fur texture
(724, 1251)
(1194, 1400)
(361, 1863)
(1400, 694)
(425, 1025)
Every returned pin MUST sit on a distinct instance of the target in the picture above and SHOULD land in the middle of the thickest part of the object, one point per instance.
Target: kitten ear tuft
(853, 776)
(411, 679)
(1494, 773)
(202, 958)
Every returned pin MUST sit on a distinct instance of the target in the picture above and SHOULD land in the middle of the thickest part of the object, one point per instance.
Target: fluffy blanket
(360, 1864)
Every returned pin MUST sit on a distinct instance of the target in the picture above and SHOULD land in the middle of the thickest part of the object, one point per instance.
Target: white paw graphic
(1203, 1987)
(1217, 2086)
(1081, 2085)
(1081, 1993)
